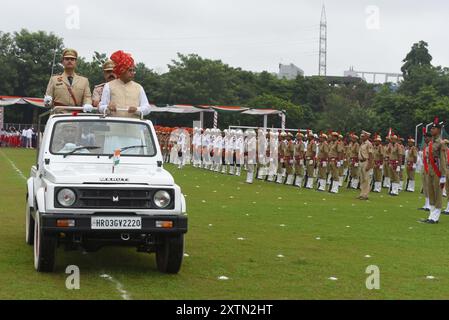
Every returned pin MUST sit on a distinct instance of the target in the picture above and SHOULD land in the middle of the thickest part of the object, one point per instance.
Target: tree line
(309, 102)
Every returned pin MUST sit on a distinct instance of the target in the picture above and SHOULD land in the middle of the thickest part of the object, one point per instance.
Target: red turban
(123, 61)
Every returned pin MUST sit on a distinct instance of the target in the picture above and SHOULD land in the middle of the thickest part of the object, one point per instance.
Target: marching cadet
(335, 150)
(366, 160)
(395, 165)
(446, 186)
(322, 159)
(182, 146)
(299, 159)
(262, 145)
(311, 152)
(239, 152)
(289, 159)
(218, 150)
(230, 152)
(69, 88)
(425, 172)
(281, 158)
(346, 161)
(124, 92)
(342, 158)
(108, 73)
(226, 135)
(402, 162)
(273, 160)
(437, 161)
(411, 160)
(378, 154)
(251, 149)
(354, 162)
(387, 172)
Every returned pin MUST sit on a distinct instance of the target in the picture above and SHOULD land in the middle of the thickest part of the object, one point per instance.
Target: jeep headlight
(162, 199)
(66, 197)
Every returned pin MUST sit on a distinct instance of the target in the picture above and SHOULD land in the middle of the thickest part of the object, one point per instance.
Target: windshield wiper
(80, 148)
(129, 147)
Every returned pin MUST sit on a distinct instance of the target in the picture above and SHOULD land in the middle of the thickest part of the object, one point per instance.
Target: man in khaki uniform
(299, 159)
(342, 158)
(310, 159)
(425, 172)
(335, 151)
(69, 88)
(378, 153)
(123, 97)
(411, 160)
(290, 159)
(322, 159)
(437, 161)
(354, 162)
(282, 169)
(402, 162)
(366, 159)
(108, 73)
(395, 165)
(387, 171)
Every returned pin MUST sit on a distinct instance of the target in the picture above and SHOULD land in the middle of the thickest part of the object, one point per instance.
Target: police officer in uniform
(108, 73)
(311, 150)
(354, 162)
(425, 172)
(378, 153)
(366, 160)
(322, 158)
(299, 159)
(69, 88)
(437, 160)
(411, 160)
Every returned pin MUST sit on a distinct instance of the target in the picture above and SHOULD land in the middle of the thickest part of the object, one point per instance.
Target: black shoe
(432, 222)
(424, 220)
(422, 209)
(446, 213)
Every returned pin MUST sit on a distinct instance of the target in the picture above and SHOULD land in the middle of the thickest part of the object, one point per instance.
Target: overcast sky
(255, 35)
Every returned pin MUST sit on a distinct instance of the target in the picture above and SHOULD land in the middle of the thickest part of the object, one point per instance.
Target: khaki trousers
(365, 180)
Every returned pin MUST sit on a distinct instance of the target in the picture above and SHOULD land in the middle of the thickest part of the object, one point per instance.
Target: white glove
(443, 180)
(324, 165)
(311, 162)
(291, 161)
(282, 161)
(301, 162)
(402, 167)
(414, 166)
(356, 164)
(48, 100)
(338, 164)
(398, 169)
(88, 108)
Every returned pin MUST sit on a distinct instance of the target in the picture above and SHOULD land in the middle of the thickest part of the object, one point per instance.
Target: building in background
(289, 71)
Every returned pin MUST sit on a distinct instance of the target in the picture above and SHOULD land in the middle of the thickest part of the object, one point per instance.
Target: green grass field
(319, 235)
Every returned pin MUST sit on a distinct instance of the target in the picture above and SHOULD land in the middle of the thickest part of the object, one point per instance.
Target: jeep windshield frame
(149, 141)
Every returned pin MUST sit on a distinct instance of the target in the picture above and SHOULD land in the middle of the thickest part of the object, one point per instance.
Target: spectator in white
(29, 137)
(123, 97)
(23, 140)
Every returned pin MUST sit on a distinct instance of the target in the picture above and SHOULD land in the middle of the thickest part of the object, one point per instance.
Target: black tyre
(29, 226)
(169, 253)
(44, 248)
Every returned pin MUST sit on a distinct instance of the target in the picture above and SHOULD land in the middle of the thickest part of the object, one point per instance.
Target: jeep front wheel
(44, 248)
(169, 253)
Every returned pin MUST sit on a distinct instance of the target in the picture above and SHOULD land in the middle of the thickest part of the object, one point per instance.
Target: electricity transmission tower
(322, 71)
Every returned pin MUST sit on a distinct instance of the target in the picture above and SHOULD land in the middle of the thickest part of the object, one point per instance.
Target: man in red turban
(123, 97)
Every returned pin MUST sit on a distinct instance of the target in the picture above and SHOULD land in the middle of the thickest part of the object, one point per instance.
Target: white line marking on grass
(430, 277)
(123, 293)
(223, 278)
(333, 278)
(20, 173)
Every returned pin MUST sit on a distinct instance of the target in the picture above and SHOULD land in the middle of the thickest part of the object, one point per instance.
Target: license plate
(116, 223)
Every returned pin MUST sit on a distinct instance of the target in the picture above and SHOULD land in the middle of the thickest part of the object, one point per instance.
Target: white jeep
(84, 192)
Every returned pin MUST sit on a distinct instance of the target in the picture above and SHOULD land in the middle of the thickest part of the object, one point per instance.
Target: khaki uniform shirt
(366, 148)
(311, 150)
(412, 155)
(439, 151)
(299, 150)
(323, 153)
(58, 89)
